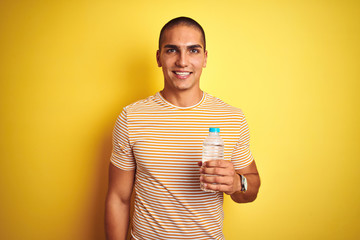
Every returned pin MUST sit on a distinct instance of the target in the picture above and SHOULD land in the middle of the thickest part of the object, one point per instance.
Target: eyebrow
(189, 47)
(195, 46)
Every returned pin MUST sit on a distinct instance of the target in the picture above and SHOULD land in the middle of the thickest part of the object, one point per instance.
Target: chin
(183, 86)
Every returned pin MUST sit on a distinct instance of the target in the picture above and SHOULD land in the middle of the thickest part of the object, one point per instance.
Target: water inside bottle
(211, 151)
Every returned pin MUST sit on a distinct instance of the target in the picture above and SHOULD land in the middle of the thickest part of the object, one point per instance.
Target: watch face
(243, 183)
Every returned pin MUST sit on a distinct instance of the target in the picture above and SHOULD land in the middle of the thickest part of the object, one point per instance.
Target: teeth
(182, 73)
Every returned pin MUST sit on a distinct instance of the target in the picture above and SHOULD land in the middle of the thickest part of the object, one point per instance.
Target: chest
(167, 141)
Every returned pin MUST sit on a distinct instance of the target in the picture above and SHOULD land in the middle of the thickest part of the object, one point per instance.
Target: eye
(171, 50)
(194, 50)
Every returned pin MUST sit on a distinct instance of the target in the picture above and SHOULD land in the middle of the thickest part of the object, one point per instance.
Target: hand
(226, 178)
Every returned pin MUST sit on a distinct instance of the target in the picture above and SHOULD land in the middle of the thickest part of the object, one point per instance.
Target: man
(157, 149)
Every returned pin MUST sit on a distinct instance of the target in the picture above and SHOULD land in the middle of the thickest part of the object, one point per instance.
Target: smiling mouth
(182, 74)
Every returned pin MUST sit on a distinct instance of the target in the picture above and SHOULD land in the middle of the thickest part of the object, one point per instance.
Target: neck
(183, 98)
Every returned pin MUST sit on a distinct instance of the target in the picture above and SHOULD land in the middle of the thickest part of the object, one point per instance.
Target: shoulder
(219, 105)
(142, 105)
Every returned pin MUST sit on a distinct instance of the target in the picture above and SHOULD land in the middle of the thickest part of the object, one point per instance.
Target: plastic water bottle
(213, 149)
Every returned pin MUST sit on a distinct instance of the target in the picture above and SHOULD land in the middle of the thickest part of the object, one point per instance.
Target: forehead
(182, 35)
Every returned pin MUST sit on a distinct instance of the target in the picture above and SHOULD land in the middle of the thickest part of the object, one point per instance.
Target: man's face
(182, 57)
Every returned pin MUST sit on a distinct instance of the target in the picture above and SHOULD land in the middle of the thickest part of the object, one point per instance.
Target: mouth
(182, 74)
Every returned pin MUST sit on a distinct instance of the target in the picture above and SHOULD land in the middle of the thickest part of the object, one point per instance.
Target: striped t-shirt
(163, 143)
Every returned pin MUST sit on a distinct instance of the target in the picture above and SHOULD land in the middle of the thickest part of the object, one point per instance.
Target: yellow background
(68, 67)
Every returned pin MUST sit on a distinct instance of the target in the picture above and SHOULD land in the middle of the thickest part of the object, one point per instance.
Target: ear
(158, 58)
(205, 58)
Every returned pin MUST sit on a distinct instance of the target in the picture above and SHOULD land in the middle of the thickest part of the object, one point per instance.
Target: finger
(217, 179)
(218, 163)
(218, 187)
(200, 163)
(217, 171)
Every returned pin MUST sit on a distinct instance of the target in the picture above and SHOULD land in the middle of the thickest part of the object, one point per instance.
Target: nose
(182, 60)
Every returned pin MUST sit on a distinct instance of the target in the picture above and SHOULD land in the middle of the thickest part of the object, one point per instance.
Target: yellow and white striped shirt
(163, 143)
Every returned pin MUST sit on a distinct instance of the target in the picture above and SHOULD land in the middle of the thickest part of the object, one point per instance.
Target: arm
(118, 200)
(228, 181)
(253, 180)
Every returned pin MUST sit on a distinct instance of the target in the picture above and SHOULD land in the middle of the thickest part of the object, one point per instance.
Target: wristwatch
(244, 185)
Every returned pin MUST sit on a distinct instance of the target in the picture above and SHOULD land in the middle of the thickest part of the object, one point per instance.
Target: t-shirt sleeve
(122, 155)
(241, 155)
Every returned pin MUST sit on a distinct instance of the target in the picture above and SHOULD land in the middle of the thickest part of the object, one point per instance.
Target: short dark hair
(182, 21)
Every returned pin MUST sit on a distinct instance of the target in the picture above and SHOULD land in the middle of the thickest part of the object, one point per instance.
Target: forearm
(253, 181)
(117, 214)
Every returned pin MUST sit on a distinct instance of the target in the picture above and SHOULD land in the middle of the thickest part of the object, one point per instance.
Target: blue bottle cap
(215, 130)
